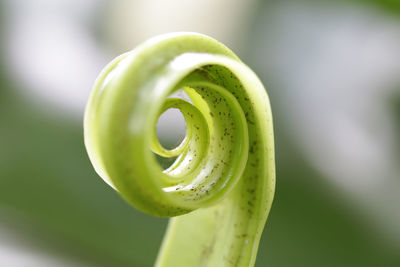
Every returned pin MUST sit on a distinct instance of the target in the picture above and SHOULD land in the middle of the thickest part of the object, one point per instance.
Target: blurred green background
(331, 68)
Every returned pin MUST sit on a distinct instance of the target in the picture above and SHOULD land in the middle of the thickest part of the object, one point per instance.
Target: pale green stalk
(222, 182)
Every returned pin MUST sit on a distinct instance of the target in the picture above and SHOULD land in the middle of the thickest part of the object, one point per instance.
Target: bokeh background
(331, 68)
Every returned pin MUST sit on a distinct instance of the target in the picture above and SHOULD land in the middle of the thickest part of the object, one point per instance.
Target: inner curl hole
(171, 128)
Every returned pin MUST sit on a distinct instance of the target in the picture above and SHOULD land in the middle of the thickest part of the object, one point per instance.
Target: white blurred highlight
(51, 51)
(15, 252)
(130, 22)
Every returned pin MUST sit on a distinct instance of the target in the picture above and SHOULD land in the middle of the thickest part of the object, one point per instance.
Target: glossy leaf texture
(220, 188)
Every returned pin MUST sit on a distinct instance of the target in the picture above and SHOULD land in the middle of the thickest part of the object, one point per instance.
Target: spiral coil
(223, 176)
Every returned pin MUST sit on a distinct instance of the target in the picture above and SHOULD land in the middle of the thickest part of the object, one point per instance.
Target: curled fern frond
(220, 188)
